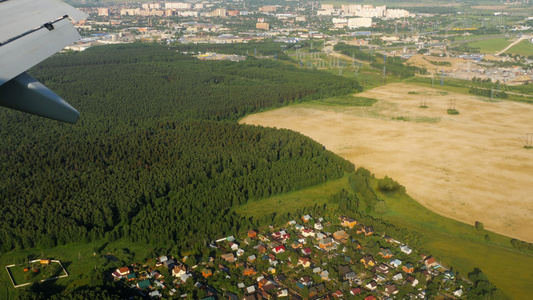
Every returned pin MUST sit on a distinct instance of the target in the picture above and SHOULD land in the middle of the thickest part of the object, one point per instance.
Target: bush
(388, 185)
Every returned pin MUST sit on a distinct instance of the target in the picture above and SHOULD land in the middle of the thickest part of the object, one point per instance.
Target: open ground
(469, 167)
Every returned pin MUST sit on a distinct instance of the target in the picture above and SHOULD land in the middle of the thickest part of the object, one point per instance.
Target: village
(306, 259)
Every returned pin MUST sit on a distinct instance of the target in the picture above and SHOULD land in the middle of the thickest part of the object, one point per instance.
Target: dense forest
(156, 156)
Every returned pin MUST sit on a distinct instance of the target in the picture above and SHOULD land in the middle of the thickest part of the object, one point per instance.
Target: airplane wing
(30, 32)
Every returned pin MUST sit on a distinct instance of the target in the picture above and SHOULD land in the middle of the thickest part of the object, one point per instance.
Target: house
(233, 246)
(250, 289)
(324, 275)
(184, 277)
(265, 295)
(386, 253)
(378, 278)
(229, 257)
(449, 275)
(318, 226)
(390, 290)
(291, 223)
(304, 261)
(368, 261)
(251, 258)
(306, 251)
(306, 218)
(207, 272)
(355, 291)
(408, 268)
(261, 249)
(281, 235)
(458, 293)
(231, 296)
(348, 222)
(370, 297)
(143, 284)
(296, 245)
(121, 272)
(239, 252)
(427, 275)
(383, 269)
(337, 294)
(395, 263)
(283, 293)
(317, 270)
(343, 270)
(249, 271)
(397, 277)
(406, 249)
(306, 280)
(431, 263)
(350, 276)
(411, 280)
(367, 230)
(320, 236)
(223, 268)
(279, 249)
(341, 236)
(179, 270)
(252, 234)
(372, 285)
(155, 294)
(131, 277)
(308, 232)
(326, 243)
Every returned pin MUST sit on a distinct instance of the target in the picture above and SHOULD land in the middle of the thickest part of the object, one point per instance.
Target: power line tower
(384, 72)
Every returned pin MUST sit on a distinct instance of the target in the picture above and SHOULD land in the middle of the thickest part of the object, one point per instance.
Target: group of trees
(488, 93)
(156, 157)
(254, 48)
(354, 52)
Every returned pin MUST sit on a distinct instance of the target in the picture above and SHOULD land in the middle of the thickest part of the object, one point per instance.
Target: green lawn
(464, 247)
(491, 45)
(78, 260)
(293, 201)
(525, 47)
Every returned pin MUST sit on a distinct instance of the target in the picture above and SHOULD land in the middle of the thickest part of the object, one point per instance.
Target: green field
(457, 244)
(78, 259)
(293, 201)
(491, 45)
(525, 47)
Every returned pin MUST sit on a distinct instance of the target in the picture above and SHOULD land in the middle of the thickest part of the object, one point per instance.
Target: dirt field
(469, 167)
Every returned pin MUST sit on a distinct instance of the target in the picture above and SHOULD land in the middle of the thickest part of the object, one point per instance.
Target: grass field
(78, 259)
(464, 247)
(347, 100)
(525, 47)
(491, 45)
(293, 201)
(455, 243)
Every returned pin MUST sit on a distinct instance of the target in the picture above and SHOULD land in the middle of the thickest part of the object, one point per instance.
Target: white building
(177, 5)
(359, 22)
(396, 14)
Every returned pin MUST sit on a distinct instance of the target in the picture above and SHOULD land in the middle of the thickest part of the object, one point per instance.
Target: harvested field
(469, 167)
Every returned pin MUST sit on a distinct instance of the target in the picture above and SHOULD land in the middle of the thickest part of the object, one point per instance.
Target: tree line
(156, 156)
